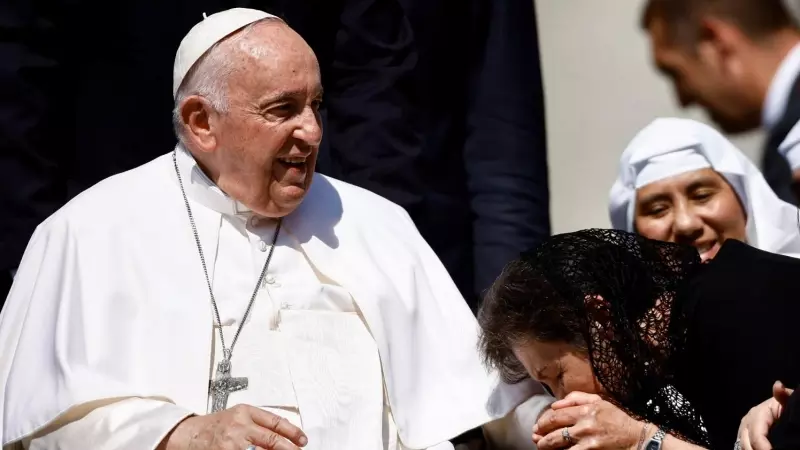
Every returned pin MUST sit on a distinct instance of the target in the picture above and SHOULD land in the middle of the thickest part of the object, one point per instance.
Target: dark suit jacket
(86, 90)
(482, 191)
(774, 166)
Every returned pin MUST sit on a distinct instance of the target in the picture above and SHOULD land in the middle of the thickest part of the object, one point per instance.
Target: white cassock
(357, 334)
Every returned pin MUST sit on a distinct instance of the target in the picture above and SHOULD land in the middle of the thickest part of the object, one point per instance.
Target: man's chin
(285, 200)
(275, 208)
(733, 126)
(291, 196)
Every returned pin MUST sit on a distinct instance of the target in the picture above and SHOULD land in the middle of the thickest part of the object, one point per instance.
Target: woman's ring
(737, 445)
(251, 447)
(565, 434)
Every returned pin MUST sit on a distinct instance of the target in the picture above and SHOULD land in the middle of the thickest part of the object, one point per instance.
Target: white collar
(201, 189)
(780, 88)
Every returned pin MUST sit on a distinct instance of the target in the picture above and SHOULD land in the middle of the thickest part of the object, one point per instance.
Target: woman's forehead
(681, 183)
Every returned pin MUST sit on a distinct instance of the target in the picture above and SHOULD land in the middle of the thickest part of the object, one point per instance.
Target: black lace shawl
(631, 289)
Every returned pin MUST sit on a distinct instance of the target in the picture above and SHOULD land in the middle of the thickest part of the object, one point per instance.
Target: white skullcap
(669, 147)
(790, 147)
(205, 34)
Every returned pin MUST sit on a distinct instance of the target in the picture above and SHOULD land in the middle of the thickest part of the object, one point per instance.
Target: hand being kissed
(591, 422)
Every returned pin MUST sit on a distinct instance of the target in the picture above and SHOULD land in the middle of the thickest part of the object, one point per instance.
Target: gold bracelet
(644, 434)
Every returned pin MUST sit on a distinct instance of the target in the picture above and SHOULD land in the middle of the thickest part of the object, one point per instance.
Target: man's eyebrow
(286, 95)
(280, 96)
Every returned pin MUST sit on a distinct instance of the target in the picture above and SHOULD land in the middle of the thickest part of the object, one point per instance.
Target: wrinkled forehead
(271, 57)
(271, 38)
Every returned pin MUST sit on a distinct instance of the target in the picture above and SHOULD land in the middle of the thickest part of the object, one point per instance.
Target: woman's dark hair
(521, 306)
(617, 295)
(566, 289)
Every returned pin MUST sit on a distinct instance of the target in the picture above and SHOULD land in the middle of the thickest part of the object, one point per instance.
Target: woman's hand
(592, 423)
(755, 426)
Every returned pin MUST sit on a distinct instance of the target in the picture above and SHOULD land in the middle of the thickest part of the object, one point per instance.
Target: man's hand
(755, 426)
(235, 429)
(591, 421)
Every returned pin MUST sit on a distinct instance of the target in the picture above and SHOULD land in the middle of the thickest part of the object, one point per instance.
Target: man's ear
(721, 45)
(198, 117)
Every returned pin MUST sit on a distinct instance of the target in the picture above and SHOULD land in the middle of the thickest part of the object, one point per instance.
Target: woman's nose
(688, 226)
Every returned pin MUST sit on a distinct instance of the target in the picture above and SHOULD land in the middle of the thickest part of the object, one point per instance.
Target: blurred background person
(737, 59)
(682, 181)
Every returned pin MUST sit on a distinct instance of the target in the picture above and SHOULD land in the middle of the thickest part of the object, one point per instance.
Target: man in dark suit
(740, 61)
(75, 76)
(476, 185)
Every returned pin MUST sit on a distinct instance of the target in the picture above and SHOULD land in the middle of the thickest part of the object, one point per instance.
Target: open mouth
(707, 250)
(298, 162)
(294, 170)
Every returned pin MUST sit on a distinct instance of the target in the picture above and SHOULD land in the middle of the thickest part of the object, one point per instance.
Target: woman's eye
(560, 378)
(656, 210)
(702, 195)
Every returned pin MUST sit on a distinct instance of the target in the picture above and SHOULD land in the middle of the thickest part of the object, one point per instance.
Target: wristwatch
(656, 441)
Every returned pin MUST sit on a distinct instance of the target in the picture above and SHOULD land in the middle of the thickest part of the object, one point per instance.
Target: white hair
(208, 77)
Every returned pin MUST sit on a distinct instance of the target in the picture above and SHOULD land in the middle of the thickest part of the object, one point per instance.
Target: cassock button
(270, 279)
(254, 222)
(262, 246)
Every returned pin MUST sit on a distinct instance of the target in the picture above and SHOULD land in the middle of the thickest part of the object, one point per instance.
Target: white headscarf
(669, 147)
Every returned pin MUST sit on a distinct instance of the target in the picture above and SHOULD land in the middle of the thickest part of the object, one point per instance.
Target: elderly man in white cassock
(216, 299)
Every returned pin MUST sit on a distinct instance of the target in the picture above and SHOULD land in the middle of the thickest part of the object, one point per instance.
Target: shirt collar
(201, 189)
(780, 88)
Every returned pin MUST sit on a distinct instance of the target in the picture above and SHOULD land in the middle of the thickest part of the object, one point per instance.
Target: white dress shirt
(780, 89)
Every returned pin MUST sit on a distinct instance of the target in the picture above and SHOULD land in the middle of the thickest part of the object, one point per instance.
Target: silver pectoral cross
(224, 385)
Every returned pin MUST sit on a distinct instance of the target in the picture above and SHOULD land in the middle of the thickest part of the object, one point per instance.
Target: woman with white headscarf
(682, 181)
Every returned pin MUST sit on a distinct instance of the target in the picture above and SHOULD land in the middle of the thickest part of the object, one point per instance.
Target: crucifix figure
(224, 385)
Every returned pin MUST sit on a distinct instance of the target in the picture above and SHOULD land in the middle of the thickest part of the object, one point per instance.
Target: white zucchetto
(208, 32)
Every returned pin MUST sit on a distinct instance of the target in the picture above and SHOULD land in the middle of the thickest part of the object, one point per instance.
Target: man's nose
(310, 129)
